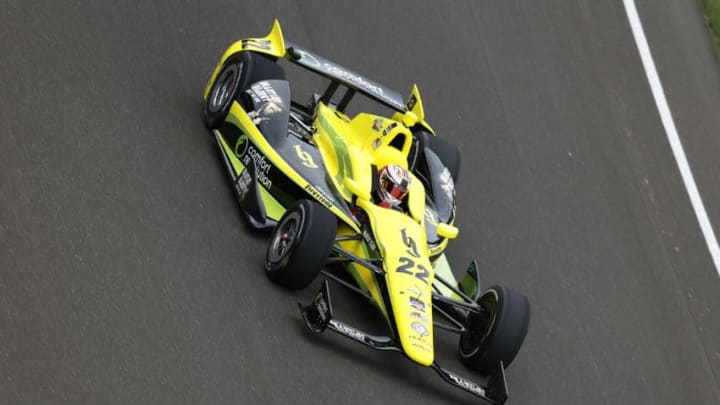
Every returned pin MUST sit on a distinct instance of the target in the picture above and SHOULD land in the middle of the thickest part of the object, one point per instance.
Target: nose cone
(409, 277)
(412, 309)
(413, 316)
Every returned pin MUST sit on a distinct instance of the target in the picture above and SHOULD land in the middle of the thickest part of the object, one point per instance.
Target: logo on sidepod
(247, 153)
(241, 146)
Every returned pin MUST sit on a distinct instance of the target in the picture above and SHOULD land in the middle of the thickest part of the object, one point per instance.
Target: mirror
(447, 231)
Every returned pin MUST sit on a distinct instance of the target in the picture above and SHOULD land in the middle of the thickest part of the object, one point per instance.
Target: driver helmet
(393, 182)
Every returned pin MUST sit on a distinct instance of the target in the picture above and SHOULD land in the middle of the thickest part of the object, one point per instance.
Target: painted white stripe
(671, 131)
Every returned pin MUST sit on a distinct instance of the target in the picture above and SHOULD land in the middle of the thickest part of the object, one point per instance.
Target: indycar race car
(310, 173)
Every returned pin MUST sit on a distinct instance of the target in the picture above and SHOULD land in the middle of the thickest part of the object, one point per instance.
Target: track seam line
(671, 132)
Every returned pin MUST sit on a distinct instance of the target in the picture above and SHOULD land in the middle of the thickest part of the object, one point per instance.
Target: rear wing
(341, 75)
(275, 46)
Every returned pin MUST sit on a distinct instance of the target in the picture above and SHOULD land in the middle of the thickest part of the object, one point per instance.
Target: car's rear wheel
(496, 333)
(223, 92)
(300, 244)
(237, 74)
(448, 153)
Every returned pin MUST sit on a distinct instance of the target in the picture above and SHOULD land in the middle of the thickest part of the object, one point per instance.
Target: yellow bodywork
(350, 148)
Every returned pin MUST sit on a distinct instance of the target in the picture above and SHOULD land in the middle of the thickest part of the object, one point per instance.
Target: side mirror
(447, 230)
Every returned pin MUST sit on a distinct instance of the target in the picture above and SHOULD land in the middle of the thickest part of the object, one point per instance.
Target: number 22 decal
(408, 265)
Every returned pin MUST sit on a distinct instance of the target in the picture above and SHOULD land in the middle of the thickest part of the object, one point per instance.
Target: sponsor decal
(247, 153)
(262, 167)
(419, 342)
(417, 304)
(417, 270)
(411, 103)
(414, 291)
(348, 331)
(377, 124)
(419, 328)
(264, 92)
(408, 265)
(389, 128)
(358, 80)
(418, 315)
(241, 145)
(242, 185)
(269, 108)
(308, 58)
(468, 385)
(446, 183)
(421, 347)
(305, 158)
(319, 196)
(410, 243)
(376, 143)
(263, 44)
(269, 102)
(436, 250)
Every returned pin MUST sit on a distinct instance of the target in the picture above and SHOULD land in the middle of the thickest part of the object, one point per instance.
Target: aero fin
(415, 106)
(272, 44)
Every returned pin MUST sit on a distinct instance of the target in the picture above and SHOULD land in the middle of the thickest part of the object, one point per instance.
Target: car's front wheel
(300, 244)
(496, 333)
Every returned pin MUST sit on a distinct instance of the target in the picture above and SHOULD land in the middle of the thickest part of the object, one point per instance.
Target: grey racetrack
(127, 274)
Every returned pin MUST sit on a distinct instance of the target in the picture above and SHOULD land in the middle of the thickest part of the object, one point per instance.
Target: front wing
(318, 317)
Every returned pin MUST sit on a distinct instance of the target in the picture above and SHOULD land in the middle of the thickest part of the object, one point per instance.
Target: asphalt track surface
(127, 275)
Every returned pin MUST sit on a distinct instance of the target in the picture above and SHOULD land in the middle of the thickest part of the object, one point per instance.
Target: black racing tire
(224, 90)
(448, 153)
(300, 244)
(237, 74)
(498, 332)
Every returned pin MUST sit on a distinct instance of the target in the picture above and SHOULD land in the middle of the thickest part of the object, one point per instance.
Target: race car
(362, 194)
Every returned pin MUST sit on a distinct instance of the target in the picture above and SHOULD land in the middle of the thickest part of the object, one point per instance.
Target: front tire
(300, 244)
(496, 334)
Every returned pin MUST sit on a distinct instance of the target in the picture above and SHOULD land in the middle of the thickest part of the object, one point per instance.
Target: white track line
(671, 131)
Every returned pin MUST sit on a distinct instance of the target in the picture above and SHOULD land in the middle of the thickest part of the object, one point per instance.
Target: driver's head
(393, 182)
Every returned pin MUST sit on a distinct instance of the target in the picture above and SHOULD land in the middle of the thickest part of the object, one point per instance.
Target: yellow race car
(366, 194)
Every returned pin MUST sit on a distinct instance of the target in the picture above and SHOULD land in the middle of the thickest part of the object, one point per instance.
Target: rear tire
(300, 244)
(224, 90)
(448, 153)
(237, 74)
(496, 334)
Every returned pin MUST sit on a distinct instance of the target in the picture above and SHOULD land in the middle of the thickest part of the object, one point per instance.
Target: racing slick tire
(448, 153)
(237, 74)
(497, 333)
(300, 244)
